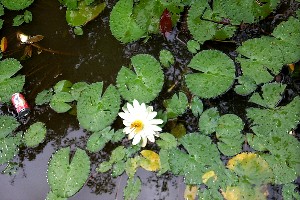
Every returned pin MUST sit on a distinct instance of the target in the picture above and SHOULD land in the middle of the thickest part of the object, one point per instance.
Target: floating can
(20, 104)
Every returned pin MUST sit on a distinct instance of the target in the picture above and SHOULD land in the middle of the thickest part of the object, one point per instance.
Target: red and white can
(20, 104)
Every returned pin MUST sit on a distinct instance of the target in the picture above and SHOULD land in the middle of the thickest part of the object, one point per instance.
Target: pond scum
(268, 130)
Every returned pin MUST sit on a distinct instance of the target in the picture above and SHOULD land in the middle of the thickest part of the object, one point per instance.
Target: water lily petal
(136, 139)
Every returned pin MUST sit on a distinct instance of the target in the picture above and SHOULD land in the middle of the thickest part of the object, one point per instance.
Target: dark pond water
(95, 56)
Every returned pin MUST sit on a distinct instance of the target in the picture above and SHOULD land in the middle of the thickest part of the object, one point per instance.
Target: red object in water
(165, 24)
(20, 104)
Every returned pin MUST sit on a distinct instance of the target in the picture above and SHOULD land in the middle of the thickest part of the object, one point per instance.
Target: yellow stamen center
(137, 126)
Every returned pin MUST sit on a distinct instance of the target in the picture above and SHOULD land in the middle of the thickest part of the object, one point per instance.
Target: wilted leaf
(67, 177)
(145, 83)
(150, 160)
(35, 134)
(213, 68)
(252, 168)
(190, 192)
(3, 45)
(83, 14)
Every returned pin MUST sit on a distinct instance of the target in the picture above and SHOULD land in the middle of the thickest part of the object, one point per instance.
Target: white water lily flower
(140, 123)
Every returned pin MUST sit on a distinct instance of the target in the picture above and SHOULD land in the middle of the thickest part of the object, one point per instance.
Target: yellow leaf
(240, 158)
(245, 192)
(3, 44)
(208, 175)
(150, 160)
(291, 67)
(190, 192)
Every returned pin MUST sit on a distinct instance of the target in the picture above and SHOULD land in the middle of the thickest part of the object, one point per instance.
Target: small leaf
(208, 121)
(27, 16)
(132, 189)
(167, 141)
(150, 160)
(166, 58)
(59, 102)
(193, 46)
(196, 106)
(118, 168)
(78, 30)
(190, 192)
(77, 89)
(18, 20)
(98, 139)
(117, 154)
(176, 106)
(35, 134)
(63, 86)
(43, 97)
(104, 166)
(3, 44)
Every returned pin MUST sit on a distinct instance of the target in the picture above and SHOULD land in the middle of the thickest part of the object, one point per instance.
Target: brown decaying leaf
(190, 192)
(3, 44)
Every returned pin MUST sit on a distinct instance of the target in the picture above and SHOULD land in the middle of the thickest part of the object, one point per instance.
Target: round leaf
(150, 160)
(35, 134)
(143, 85)
(213, 68)
(8, 124)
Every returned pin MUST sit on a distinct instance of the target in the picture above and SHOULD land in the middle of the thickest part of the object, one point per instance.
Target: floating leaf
(35, 134)
(167, 141)
(196, 106)
(63, 86)
(9, 67)
(132, 189)
(245, 191)
(118, 154)
(59, 102)
(289, 191)
(164, 161)
(10, 86)
(288, 31)
(67, 177)
(176, 106)
(131, 165)
(193, 46)
(143, 85)
(279, 120)
(122, 24)
(118, 168)
(118, 136)
(271, 96)
(104, 166)
(253, 11)
(251, 167)
(208, 121)
(166, 58)
(246, 85)
(78, 30)
(8, 125)
(53, 196)
(9, 147)
(27, 16)
(150, 160)
(96, 111)
(77, 88)
(98, 139)
(18, 20)
(83, 14)
(16, 4)
(190, 192)
(43, 97)
(209, 175)
(213, 68)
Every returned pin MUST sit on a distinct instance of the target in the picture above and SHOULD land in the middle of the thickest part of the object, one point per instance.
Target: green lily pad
(98, 139)
(196, 106)
(289, 191)
(63, 86)
(166, 141)
(83, 14)
(143, 85)
(9, 147)
(67, 177)
(122, 24)
(8, 125)
(132, 189)
(43, 97)
(212, 68)
(208, 121)
(95, 110)
(77, 88)
(16, 4)
(166, 58)
(193, 46)
(271, 96)
(10, 86)
(246, 85)
(9, 67)
(35, 134)
(59, 102)
(176, 106)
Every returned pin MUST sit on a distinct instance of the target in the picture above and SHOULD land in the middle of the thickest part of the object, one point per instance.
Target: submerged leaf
(213, 68)
(67, 177)
(83, 14)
